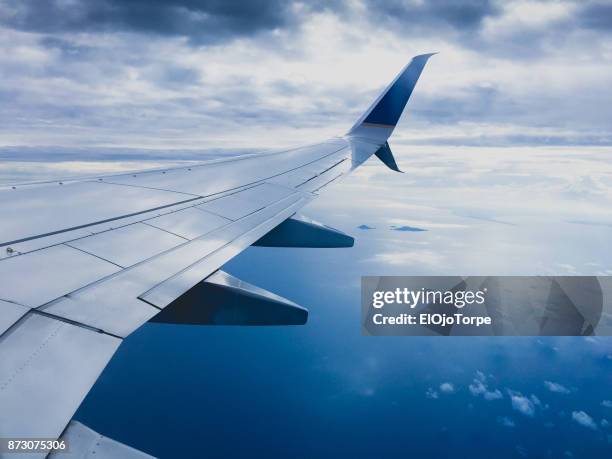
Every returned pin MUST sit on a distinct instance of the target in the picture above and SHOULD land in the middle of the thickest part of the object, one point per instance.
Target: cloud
(205, 21)
(556, 387)
(431, 393)
(460, 16)
(447, 388)
(207, 72)
(505, 421)
(595, 15)
(584, 419)
(411, 257)
(607, 403)
(522, 404)
(479, 387)
(493, 395)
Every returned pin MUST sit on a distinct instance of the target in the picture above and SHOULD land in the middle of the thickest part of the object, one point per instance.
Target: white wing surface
(84, 263)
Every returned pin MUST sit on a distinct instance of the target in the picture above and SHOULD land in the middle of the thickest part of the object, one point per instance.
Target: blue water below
(323, 390)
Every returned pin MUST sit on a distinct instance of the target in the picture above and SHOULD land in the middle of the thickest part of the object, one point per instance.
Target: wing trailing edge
(86, 443)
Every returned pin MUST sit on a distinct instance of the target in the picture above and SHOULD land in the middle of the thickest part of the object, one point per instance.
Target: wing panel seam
(110, 276)
(32, 356)
(141, 186)
(254, 183)
(86, 225)
(292, 205)
(67, 244)
(144, 222)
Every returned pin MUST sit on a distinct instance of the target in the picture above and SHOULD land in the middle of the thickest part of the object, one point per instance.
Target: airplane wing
(86, 262)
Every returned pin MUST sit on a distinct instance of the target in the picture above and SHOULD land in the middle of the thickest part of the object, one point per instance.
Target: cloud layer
(188, 73)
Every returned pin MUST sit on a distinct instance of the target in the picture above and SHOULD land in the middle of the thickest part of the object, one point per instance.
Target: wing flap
(44, 210)
(245, 202)
(85, 443)
(54, 271)
(249, 231)
(189, 223)
(38, 243)
(46, 368)
(10, 313)
(128, 245)
(112, 304)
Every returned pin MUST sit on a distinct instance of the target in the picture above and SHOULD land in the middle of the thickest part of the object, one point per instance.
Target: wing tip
(387, 109)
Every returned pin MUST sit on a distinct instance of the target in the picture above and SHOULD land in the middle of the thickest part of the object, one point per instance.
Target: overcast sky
(215, 73)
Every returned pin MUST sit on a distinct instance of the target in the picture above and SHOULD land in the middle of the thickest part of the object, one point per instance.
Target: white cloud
(584, 419)
(447, 388)
(493, 395)
(431, 393)
(607, 403)
(505, 421)
(479, 387)
(525, 16)
(556, 387)
(410, 257)
(522, 404)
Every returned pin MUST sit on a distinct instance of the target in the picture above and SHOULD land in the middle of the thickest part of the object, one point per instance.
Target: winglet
(388, 107)
(385, 154)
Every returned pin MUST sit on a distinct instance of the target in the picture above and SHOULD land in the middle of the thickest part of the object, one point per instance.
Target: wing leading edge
(108, 254)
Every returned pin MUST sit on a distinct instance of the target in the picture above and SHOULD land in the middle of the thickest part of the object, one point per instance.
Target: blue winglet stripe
(390, 106)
